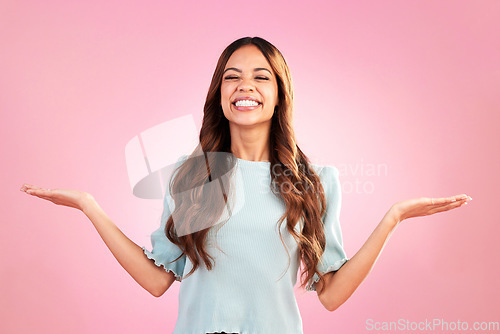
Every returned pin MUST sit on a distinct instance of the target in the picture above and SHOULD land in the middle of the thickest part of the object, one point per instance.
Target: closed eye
(232, 77)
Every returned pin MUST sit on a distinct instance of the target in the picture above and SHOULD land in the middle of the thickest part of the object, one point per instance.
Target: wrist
(393, 217)
(86, 203)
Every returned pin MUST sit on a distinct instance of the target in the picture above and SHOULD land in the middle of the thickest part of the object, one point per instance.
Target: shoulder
(330, 179)
(327, 173)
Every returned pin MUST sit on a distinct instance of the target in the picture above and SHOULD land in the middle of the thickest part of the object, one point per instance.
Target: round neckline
(253, 162)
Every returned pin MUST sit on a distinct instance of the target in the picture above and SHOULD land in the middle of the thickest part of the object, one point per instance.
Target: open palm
(66, 197)
(425, 206)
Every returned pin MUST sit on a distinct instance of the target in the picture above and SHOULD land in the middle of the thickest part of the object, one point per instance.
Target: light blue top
(250, 289)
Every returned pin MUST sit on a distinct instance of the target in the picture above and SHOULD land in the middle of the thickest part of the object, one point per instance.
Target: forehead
(247, 57)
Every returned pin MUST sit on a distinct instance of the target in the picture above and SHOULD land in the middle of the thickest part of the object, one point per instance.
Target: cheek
(276, 97)
(274, 93)
(225, 95)
(224, 100)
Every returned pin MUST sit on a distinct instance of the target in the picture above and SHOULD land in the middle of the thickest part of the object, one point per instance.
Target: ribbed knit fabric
(250, 289)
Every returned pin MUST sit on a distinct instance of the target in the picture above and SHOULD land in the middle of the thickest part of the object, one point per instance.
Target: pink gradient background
(410, 85)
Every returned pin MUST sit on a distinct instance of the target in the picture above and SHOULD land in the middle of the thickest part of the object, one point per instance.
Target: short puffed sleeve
(334, 256)
(164, 251)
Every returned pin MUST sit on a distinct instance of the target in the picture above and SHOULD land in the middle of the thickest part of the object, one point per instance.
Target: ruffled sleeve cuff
(311, 286)
(176, 267)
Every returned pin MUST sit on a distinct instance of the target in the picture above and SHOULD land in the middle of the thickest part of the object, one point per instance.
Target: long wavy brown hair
(198, 206)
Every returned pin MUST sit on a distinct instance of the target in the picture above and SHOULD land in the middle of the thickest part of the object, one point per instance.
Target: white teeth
(246, 103)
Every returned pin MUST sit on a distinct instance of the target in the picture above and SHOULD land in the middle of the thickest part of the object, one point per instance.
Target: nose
(246, 84)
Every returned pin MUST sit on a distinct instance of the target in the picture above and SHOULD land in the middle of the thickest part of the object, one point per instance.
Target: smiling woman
(249, 92)
(238, 273)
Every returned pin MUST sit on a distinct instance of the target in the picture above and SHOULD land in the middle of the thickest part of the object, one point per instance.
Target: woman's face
(249, 89)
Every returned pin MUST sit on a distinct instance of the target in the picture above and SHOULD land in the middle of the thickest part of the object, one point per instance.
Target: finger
(27, 187)
(40, 192)
(445, 204)
(437, 202)
(451, 199)
(462, 197)
(440, 201)
(50, 199)
(446, 207)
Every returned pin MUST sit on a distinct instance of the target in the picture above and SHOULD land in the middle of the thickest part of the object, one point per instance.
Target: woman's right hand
(155, 279)
(72, 198)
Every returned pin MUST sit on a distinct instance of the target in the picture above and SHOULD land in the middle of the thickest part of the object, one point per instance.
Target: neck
(250, 143)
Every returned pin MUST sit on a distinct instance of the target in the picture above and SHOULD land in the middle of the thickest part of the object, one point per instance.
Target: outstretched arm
(338, 286)
(130, 256)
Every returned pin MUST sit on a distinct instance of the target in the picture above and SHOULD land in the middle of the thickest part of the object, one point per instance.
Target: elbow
(162, 284)
(158, 288)
(157, 295)
(157, 292)
(331, 305)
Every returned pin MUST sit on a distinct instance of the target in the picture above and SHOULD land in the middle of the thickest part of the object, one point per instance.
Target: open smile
(246, 107)
(246, 103)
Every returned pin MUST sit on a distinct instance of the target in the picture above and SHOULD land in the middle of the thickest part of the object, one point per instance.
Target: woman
(238, 273)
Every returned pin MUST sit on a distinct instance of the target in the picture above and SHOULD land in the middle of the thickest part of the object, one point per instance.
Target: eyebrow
(240, 71)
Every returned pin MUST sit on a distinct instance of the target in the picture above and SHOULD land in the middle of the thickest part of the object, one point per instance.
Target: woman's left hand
(425, 206)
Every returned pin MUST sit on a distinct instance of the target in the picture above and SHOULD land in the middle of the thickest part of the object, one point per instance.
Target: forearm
(130, 256)
(342, 284)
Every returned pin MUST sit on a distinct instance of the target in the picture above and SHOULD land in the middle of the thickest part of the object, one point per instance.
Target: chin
(249, 122)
